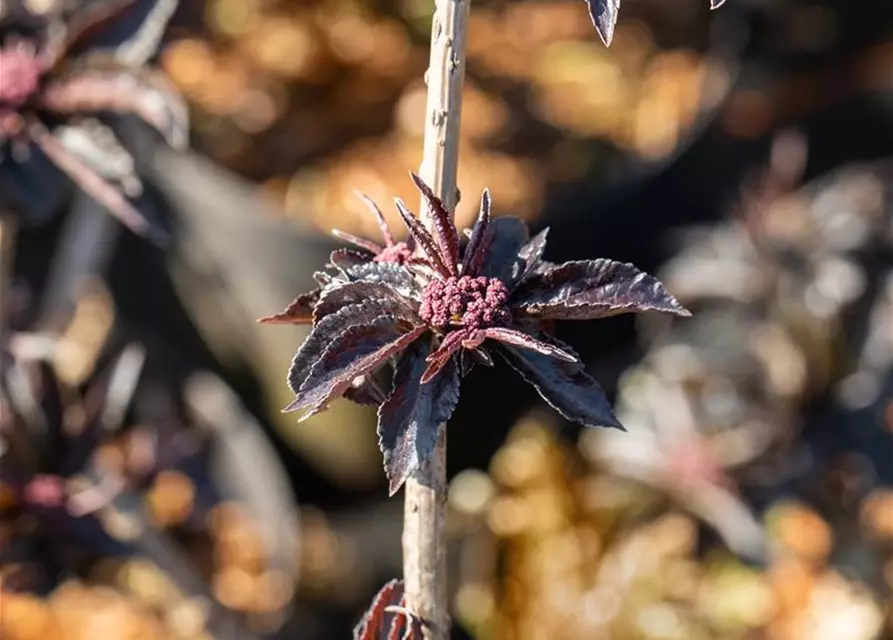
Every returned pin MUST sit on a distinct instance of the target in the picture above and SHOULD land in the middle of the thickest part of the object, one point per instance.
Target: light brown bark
(424, 535)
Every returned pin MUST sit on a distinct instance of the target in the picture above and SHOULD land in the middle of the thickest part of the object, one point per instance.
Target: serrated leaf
(353, 353)
(532, 253)
(340, 294)
(604, 17)
(143, 42)
(424, 239)
(523, 340)
(565, 386)
(346, 259)
(395, 276)
(471, 261)
(468, 358)
(502, 244)
(466, 363)
(482, 356)
(371, 389)
(591, 289)
(105, 193)
(409, 422)
(448, 347)
(330, 327)
(382, 622)
(541, 267)
(360, 243)
(78, 28)
(300, 311)
(442, 221)
(322, 278)
(95, 144)
(144, 93)
(379, 217)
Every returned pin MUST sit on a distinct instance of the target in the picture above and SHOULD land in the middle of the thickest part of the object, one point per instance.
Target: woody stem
(424, 541)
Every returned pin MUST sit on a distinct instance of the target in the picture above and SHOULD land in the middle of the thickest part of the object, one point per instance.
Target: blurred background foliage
(743, 155)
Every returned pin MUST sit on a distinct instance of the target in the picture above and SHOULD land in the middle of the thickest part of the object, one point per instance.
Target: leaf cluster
(57, 78)
(375, 340)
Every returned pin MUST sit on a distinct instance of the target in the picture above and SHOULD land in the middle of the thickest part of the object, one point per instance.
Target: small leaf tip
(394, 487)
(289, 409)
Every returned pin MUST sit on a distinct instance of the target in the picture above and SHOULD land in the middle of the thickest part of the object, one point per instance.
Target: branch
(424, 544)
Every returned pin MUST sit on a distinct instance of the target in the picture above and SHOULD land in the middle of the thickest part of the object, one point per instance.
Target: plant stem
(424, 537)
(443, 113)
(424, 544)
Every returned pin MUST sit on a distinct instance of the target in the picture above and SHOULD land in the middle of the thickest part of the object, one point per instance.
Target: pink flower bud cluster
(397, 253)
(471, 302)
(19, 76)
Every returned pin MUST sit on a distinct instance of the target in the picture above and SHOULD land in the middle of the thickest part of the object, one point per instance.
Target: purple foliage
(49, 77)
(402, 334)
(386, 619)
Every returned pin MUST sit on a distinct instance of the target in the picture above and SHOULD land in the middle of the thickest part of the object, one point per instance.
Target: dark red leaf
(473, 258)
(541, 267)
(422, 267)
(356, 241)
(502, 244)
(439, 359)
(104, 404)
(95, 144)
(564, 385)
(518, 338)
(468, 358)
(89, 18)
(376, 623)
(372, 389)
(473, 339)
(442, 220)
(590, 289)
(466, 362)
(482, 356)
(379, 217)
(337, 296)
(395, 276)
(604, 17)
(141, 92)
(345, 259)
(355, 352)
(93, 184)
(426, 242)
(300, 311)
(144, 32)
(329, 327)
(532, 253)
(409, 422)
